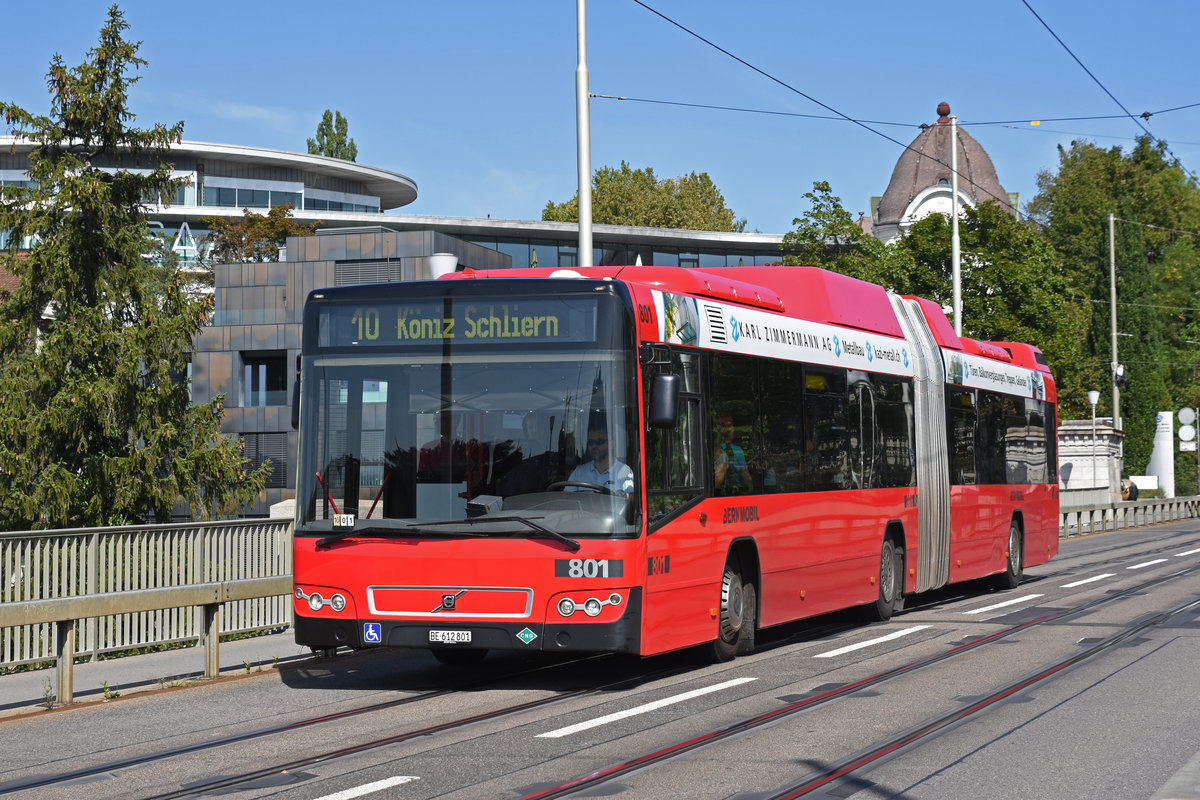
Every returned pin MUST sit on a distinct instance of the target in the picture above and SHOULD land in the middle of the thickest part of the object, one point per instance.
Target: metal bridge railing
(140, 586)
(1076, 520)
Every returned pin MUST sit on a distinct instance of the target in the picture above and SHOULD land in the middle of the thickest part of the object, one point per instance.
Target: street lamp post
(1093, 398)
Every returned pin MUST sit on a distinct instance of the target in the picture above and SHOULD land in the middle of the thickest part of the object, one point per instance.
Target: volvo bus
(644, 459)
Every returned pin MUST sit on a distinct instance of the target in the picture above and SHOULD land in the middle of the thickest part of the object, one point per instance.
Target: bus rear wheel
(891, 583)
(1014, 566)
(736, 617)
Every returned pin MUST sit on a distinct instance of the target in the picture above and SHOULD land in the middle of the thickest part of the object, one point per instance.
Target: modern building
(220, 180)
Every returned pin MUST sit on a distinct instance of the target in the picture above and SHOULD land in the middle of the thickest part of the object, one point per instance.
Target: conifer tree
(96, 426)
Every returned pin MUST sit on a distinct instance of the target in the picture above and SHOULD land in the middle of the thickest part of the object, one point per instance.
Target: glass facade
(532, 252)
(319, 204)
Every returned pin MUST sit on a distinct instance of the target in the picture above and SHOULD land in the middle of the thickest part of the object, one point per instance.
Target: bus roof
(806, 293)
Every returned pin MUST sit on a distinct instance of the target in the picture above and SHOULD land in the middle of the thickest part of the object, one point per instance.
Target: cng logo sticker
(526, 635)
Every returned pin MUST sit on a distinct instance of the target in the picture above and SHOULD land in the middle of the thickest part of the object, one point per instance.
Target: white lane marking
(643, 709)
(852, 647)
(1188, 553)
(1088, 580)
(1011, 602)
(1147, 564)
(369, 788)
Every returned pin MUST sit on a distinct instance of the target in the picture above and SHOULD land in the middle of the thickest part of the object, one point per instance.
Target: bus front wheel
(1014, 566)
(735, 617)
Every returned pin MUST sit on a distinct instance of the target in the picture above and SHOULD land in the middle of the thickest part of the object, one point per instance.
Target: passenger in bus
(530, 465)
(731, 471)
(602, 469)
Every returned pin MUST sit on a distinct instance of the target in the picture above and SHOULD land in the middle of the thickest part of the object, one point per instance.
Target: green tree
(1158, 275)
(95, 422)
(1013, 285)
(827, 236)
(254, 237)
(333, 139)
(626, 196)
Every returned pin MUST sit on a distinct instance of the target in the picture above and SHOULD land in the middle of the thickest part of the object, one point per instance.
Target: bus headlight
(593, 606)
(316, 601)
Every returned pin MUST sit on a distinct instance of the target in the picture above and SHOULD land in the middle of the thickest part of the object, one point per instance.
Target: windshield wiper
(553, 534)
(382, 530)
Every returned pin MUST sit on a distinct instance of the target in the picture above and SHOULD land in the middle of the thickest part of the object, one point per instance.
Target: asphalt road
(1080, 683)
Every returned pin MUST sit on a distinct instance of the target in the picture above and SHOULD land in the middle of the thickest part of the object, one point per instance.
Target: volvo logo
(448, 602)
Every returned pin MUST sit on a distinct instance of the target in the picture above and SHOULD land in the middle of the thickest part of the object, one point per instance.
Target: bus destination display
(466, 322)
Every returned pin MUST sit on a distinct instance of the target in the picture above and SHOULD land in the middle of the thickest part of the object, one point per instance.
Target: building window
(279, 198)
(254, 198)
(220, 196)
(272, 447)
(264, 381)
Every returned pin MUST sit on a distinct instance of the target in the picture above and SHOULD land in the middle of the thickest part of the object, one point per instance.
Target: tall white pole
(1112, 311)
(583, 128)
(955, 254)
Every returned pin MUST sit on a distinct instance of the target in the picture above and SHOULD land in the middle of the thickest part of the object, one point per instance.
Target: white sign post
(1187, 438)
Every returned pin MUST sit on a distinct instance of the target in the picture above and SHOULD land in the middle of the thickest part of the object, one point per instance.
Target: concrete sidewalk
(21, 692)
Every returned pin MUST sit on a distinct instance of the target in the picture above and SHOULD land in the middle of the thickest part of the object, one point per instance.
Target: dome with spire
(921, 181)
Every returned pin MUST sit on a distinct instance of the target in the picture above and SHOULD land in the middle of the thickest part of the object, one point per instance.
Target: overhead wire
(1104, 88)
(963, 123)
(863, 124)
(866, 124)
(812, 99)
(711, 107)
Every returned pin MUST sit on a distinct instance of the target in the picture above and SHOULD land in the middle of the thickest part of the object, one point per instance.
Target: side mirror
(664, 401)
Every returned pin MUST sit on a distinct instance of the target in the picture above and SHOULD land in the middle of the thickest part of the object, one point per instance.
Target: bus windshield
(512, 438)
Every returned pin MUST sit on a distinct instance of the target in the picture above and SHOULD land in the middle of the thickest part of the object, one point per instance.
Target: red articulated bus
(643, 459)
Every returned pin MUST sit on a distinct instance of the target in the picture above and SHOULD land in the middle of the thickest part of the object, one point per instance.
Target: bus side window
(962, 425)
(826, 436)
(733, 425)
(894, 413)
(781, 425)
(673, 477)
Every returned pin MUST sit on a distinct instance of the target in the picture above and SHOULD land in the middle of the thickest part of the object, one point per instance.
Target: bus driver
(602, 470)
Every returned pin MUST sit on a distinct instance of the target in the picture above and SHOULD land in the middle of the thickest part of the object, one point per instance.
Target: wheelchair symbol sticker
(372, 633)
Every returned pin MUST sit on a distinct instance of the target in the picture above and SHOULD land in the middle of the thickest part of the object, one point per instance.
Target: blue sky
(475, 100)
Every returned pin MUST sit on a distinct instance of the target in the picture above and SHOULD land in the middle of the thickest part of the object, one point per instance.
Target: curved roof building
(224, 179)
(921, 179)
